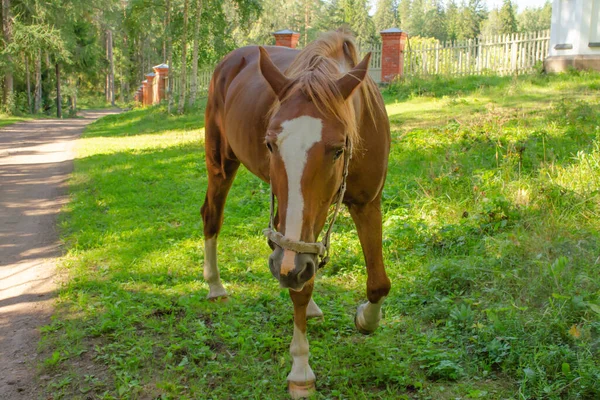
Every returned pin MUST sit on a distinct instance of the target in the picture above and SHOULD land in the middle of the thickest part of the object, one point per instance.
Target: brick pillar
(392, 53)
(286, 38)
(145, 93)
(150, 79)
(162, 74)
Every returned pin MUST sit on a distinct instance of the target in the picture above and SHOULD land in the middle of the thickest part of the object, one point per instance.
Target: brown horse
(297, 130)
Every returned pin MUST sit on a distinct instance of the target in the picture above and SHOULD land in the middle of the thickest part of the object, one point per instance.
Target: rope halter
(321, 249)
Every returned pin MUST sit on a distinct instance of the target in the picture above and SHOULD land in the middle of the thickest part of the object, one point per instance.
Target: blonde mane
(315, 71)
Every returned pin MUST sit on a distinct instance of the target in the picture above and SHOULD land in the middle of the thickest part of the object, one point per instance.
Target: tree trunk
(37, 103)
(7, 33)
(306, 18)
(74, 96)
(111, 72)
(106, 78)
(58, 97)
(194, 91)
(183, 59)
(28, 78)
(169, 54)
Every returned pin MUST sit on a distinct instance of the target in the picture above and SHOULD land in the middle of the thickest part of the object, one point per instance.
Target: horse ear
(277, 80)
(350, 81)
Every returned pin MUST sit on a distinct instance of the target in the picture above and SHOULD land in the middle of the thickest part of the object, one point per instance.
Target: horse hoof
(365, 323)
(360, 328)
(219, 299)
(301, 390)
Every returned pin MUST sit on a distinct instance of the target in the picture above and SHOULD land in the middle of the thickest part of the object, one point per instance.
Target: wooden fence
(499, 54)
(204, 76)
(205, 73)
(375, 63)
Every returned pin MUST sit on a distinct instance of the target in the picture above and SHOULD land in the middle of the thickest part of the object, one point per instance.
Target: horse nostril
(308, 268)
(275, 262)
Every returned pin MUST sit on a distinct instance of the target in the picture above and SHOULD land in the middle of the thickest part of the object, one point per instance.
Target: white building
(574, 35)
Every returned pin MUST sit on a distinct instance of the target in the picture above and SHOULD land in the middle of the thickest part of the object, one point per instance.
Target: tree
(194, 85)
(7, 36)
(111, 69)
(508, 20)
(435, 21)
(386, 15)
(471, 16)
(492, 25)
(416, 21)
(183, 59)
(535, 19)
(452, 20)
(404, 8)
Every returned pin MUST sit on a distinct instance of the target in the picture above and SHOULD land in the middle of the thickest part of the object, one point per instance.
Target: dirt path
(35, 163)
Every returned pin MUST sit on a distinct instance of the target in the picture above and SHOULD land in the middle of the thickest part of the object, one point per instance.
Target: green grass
(6, 120)
(491, 240)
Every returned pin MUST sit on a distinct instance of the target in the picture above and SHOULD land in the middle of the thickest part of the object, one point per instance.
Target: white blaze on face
(294, 142)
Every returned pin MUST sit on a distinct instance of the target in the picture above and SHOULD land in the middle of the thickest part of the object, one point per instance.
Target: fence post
(437, 57)
(392, 53)
(162, 75)
(286, 38)
(150, 86)
(513, 56)
(144, 92)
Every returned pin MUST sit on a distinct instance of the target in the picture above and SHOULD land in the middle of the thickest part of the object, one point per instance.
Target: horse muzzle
(291, 269)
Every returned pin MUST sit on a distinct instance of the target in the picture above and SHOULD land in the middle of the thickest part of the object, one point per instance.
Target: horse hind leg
(221, 174)
(368, 224)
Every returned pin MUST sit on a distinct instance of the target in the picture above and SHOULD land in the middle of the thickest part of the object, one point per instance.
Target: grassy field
(491, 239)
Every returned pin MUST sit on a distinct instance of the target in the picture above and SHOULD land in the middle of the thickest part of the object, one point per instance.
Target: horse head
(309, 143)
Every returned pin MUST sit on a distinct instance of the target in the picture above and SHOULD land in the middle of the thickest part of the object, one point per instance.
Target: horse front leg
(301, 380)
(367, 218)
(220, 180)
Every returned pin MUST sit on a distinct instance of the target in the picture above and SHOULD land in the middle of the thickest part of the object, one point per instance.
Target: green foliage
(535, 19)
(508, 20)
(490, 239)
(386, 15)
(32, 38)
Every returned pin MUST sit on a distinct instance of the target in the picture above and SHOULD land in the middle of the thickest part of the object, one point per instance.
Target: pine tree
(452, 20)
(386, 15)
(435, 21)
(404, 9)
(508, 20)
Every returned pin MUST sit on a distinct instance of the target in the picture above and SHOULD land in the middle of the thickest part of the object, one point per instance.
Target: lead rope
(279, 239)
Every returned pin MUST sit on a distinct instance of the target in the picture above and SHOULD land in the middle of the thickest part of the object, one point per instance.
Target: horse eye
(338, 153)
(269, 147)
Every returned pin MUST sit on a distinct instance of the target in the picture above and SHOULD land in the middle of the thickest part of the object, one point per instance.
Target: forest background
(71, 53)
